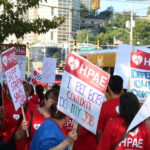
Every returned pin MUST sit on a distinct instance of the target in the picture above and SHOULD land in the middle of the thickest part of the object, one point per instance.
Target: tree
(142, 32)
(116, 28)
(12, 21)
(84, 11)
(57, 55)
(84, 36)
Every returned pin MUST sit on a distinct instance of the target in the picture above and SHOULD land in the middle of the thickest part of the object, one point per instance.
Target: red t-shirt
(37, 120)
(109, 110)
(139, 139)
(85, 141)
(35, 99)
(11, 118)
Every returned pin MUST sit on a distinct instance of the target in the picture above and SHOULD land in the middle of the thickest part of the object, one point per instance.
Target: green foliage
(116, 28)
(12, 19)
(84, 36)
(57, 55)
(83, 10)
(105, 39)
(142, 32)
(119, 20)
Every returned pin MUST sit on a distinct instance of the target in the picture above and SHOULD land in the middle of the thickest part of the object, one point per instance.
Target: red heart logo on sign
(137, 59)
(73, 63)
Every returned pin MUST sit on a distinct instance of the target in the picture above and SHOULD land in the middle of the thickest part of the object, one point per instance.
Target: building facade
(67, 8)
(87, 3)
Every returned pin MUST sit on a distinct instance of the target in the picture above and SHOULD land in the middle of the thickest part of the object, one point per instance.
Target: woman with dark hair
(115, 136)
(50, 135)
(40, 91)
(35, 116)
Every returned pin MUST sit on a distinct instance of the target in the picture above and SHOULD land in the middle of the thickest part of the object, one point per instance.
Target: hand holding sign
(82, 91)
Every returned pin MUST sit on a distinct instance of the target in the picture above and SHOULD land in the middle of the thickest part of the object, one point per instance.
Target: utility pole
(131, 24)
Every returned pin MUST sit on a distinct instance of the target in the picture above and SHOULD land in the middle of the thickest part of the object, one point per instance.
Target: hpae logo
(73, 63)
(9, 59)
(140, 60)
(87, 72)
(137, 59)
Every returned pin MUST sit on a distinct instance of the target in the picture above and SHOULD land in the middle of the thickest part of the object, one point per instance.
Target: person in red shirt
(31, 97)
(35, 116)
(115, 136)
(147, 122)
(11, 116)
(110, 108)
(86, 139)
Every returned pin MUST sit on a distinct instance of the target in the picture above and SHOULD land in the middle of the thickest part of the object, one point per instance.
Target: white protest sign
(13, 77)
(122, 66)
(82, 91)
(21, 56)
(142, 114)
(140, 75)
(48, 70)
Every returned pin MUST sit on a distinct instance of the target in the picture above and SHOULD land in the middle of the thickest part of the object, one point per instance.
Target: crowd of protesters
(45, 127)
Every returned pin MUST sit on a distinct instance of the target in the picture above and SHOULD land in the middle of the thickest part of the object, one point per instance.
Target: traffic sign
(86, 48)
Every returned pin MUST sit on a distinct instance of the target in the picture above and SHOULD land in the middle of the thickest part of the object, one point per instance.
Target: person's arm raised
(72, 136)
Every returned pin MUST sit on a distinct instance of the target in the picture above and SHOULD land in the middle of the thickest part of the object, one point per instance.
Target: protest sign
(35, 75)
(48, 70)
(20, 51)
(122, 66)
(140, 75)
(142, 114)
(82, 91)
(21, 57)
(13, 77)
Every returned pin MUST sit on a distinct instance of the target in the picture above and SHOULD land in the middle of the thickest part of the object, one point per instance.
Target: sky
(139, 6)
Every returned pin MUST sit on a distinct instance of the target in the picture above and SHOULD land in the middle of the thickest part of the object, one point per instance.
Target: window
(52, 11)
(52, 35)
